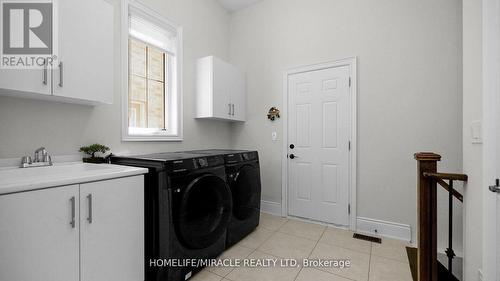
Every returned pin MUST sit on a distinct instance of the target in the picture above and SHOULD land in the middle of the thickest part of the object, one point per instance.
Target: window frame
(174, 94)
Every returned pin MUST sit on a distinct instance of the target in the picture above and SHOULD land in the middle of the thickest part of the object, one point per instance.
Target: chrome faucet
(41, 159)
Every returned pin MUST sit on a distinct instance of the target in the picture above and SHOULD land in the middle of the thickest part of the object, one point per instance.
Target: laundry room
(236, 140)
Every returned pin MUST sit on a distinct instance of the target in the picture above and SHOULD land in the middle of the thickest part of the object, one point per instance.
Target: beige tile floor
(278, 237)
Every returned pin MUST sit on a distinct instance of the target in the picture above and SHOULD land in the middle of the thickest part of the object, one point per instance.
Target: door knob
(292, 146)
(292, 156)
(496, 187)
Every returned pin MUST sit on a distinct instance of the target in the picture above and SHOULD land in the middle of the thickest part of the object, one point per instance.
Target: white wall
(472, 153)
(409, 87)
(28, 124)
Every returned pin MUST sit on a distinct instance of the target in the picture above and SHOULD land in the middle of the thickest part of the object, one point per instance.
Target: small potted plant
(91, 151)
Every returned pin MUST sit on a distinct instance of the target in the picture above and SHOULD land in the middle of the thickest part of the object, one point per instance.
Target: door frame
(491, 100)
(351, 62)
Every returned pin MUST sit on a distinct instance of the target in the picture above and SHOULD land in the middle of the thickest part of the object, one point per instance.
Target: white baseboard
(383, 228)
(269, 207)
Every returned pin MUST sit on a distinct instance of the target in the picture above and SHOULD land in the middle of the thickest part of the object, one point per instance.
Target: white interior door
(112, 230)
(319, 129)
(491, 149)
(37, 240)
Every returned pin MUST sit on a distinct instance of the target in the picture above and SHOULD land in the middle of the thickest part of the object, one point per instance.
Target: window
(152, 92)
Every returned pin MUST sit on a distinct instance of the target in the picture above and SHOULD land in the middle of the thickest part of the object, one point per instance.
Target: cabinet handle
(61, 72)
(229, 113)
(72, 222)
(89, 197)
(233, 109)
(44, 81)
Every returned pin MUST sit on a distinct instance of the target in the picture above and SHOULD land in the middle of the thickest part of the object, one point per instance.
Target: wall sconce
(273, 113)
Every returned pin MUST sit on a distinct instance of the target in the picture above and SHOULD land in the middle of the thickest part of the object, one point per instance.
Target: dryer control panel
(184, 165)
(240, 157)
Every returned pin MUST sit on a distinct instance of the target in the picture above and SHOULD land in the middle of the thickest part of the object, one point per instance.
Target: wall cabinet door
(83, 71)
(15, 82)
(238, 97)
(86, 54)
(220, 90)
(38, 241)
(32, 81)
(112, 230)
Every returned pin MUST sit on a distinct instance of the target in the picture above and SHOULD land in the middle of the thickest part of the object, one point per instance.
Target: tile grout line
(310, 253)
(320, 269)
(370, 261)
(256, 249)
(232, 269)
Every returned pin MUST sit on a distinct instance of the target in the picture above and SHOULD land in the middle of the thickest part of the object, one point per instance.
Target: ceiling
(234, 5)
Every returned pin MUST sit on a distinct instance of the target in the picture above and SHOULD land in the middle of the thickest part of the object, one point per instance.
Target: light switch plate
(476, 132)
(274, 136)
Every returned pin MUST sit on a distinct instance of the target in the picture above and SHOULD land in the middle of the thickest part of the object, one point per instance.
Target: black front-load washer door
(246, 191)
(204, 212)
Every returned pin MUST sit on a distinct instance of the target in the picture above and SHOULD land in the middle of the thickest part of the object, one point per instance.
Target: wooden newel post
(427, 216)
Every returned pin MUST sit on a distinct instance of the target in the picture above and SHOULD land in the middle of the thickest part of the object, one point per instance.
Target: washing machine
(188, 206)
(243, 177)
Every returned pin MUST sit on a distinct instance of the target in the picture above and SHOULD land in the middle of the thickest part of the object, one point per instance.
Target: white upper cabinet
(220, 90)
(83, 70)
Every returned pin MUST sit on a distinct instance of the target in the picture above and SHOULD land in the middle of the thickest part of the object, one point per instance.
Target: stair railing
(427, 180)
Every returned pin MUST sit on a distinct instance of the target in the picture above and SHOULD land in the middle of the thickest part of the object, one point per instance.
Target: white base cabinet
(37, 241)
(87, 232)
(112, 232)
(220, 91)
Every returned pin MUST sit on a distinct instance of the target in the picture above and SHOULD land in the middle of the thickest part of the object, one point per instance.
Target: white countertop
(25, 179)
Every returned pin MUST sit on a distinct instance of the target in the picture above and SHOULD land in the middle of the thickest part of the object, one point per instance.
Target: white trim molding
(268, 207)
(351, 62)
(384, 228)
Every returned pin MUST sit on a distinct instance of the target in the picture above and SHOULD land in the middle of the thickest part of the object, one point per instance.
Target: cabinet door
(85, 51)
(112, 231)
(37, 240)
(15, 82)
(221, 91)
(238, 97)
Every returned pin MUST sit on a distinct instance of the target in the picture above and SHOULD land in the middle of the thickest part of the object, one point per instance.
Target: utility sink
(23, 179)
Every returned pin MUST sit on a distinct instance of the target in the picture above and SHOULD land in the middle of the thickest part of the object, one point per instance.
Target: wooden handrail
(446, 176)
(446, 186)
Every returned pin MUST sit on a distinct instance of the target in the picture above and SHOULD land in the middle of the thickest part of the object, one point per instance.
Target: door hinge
(349, 145)
(349, 81)
(349, 209)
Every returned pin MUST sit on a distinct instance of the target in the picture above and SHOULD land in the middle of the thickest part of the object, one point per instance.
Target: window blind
(152, 34)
